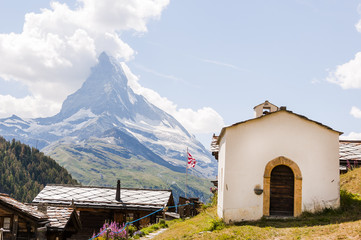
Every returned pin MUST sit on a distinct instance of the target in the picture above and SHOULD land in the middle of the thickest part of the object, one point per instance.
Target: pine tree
(24, 171)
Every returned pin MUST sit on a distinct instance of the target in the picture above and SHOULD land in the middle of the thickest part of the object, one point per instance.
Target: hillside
(99, 163)
(24, 171)
(351, 181)
(343, 223)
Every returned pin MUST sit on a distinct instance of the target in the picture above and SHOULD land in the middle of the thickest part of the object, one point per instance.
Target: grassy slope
(344, 223)
(101, 167)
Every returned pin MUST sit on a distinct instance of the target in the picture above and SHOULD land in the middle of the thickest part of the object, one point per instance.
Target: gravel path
(153, 234)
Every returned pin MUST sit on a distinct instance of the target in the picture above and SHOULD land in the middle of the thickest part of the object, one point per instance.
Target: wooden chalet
(96, 205)
(21, 221)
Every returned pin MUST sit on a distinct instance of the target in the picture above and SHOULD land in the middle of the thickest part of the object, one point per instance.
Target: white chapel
(277, 164)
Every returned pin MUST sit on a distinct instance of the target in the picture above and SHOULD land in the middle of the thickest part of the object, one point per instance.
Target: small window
(6, 224)
(266, 110)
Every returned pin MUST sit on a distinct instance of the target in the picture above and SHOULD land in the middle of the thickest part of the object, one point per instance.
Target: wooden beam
(15, 226)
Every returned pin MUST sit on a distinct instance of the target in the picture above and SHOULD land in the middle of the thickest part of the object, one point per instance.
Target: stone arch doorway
(297, 185)
(281, 191)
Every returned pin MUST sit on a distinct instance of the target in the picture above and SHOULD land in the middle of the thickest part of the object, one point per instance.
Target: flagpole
(186, 173)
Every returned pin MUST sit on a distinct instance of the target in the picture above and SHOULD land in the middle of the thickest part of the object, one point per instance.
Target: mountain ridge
(106, 109)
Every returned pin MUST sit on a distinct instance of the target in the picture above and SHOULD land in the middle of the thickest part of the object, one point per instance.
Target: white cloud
(347, 75)
(27, 107)
(204, 120)
(53, 54)
(351, 136)
(356, 112)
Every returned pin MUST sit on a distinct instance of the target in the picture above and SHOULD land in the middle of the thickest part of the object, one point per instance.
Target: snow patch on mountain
(104, 109)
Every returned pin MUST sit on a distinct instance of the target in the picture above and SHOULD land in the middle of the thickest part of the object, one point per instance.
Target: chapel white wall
(251, 145)
(221, 167)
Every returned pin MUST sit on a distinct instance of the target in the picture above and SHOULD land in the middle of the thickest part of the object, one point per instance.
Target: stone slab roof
(214, 144)
(350, 150)
(22, 208)
(58, 216)
(103, 197)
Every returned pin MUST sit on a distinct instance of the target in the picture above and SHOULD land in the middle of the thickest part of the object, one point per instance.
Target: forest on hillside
(24, 171)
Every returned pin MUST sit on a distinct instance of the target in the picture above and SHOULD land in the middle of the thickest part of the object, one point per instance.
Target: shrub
(138, 234)
(131, 230)
(155, 227)
(213, 202)
(216, 224)
(163, 224)
(349, 201)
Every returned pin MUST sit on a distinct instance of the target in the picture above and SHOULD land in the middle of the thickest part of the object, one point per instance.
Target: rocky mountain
(106, 127)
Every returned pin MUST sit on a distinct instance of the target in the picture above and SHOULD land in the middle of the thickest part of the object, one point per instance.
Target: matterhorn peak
(105, 90)
(105, 112)
(107, 70)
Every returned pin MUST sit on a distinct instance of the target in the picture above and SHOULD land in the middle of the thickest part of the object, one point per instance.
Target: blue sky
(208, 63)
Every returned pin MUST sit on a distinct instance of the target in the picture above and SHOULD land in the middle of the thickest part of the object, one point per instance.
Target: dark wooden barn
(21, 221)
(96, 205)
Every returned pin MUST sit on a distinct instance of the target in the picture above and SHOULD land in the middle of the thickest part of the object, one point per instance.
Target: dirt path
(153, 234)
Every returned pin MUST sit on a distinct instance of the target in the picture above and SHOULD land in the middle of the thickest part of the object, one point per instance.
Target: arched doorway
(297, 197)
(282, 191)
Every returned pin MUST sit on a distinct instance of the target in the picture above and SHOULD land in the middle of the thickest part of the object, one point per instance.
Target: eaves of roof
(22, 209)
(273, 113)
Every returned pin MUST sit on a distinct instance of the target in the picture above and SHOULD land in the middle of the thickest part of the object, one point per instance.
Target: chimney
(117, 194)
(43, 207)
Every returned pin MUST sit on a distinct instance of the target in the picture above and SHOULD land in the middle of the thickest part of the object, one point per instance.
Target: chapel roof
(282, 109)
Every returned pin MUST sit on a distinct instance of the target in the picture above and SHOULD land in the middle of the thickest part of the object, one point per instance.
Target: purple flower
(114, 231)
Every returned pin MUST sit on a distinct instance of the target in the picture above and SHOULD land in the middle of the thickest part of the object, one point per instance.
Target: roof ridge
(103, 187)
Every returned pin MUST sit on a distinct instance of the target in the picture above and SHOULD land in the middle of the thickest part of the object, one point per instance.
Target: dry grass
(343, 223)
(351, 181)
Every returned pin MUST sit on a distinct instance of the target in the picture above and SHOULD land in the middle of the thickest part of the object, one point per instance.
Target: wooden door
(282, 191)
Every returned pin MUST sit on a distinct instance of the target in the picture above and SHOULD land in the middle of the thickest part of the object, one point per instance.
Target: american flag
(191, 160)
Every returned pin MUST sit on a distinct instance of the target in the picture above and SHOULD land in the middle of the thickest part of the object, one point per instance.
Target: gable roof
(273, 113)
(60, 216)
(21, 208)
(266, 103)
(104, 197)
